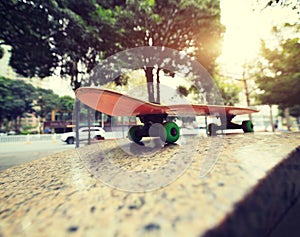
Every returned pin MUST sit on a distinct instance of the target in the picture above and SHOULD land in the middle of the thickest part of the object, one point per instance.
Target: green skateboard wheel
(132, 134)
(247, 126)
(172, 132)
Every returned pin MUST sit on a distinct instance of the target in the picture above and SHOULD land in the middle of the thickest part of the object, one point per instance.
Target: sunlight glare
(245, 27)
(241, 41)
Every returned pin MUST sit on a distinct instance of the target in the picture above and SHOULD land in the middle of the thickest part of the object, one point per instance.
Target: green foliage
(18, 98)
(179, 25)
(190, 26)
(15, 98)
(66, 104)
(64, 33)
(228, 90)
(45, 35)
(46, 101)
(295, 111)
(280, 79)
(119, 25)
(27, 28)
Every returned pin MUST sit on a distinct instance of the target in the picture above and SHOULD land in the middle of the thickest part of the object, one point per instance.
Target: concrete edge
(262, 210)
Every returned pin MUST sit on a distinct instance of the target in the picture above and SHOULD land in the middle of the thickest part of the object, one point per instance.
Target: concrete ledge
(264, 208)
(251, 184)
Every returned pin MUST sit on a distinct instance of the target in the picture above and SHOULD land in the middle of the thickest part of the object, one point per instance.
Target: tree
(295, 112)
(65, 106)
(4, 94)
(228, 90)
(45, 35)
(27, 27)
(16, 99)
(190, 26)
(67, 34)
(45, 102)
(279, 80)
(279, 76)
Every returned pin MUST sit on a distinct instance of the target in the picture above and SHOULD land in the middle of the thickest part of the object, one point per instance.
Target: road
(18, 153)
(12, 154)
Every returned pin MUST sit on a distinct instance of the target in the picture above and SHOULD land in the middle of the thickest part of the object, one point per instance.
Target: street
(12, 154)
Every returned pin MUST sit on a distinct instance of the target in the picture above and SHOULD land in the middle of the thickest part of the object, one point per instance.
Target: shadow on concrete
(271, 209)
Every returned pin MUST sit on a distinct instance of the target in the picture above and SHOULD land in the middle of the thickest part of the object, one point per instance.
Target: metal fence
(29, 138)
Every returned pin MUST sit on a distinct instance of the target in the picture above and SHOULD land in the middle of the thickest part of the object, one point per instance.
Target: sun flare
(246, 25)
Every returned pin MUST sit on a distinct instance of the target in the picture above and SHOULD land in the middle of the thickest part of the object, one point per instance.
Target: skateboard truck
(226, 123)
(155, 125)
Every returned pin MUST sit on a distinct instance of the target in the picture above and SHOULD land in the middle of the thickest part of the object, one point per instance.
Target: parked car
(95, 133)
(3, 132)
(12, 132)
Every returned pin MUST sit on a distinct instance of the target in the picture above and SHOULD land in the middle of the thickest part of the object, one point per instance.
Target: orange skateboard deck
(116, 104)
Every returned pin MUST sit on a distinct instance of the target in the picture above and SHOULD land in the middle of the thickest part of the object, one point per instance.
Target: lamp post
(41, 104)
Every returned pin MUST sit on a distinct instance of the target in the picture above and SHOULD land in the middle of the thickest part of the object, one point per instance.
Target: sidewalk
(239, 185)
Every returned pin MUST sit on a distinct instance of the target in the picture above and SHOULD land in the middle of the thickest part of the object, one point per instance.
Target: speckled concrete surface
(63, 194)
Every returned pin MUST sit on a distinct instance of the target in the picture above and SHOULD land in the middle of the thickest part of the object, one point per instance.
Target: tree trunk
(150, 87)
(16, 124)
(271, 119)
(20, 123)
(287, 118)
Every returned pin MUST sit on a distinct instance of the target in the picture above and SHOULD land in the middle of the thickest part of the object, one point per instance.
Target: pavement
(234, 185)
(12, 154)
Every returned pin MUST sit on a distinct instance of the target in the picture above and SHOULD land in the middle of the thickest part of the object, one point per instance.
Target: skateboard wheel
(172, 132)
(212, 129)
(247, 126)
(158, 130)
(132, 135)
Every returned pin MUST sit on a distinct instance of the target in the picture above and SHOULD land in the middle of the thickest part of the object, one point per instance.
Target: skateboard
(156, 117)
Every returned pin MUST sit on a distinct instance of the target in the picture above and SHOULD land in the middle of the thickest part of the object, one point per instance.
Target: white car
(3, 132)
(95, 133)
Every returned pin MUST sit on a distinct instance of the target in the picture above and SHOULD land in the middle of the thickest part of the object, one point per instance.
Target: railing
(29, 138)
